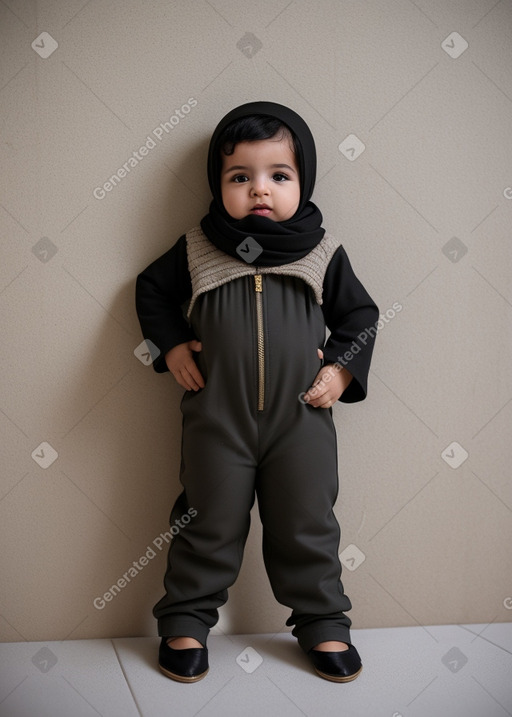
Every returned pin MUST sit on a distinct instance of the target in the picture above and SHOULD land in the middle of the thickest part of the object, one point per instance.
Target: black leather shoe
(337, 666)
(189, 665)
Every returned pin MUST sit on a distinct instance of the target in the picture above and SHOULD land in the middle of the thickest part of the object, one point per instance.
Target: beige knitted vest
(210, 267)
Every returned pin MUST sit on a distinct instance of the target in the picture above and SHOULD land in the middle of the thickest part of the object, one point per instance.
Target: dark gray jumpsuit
(247, 433)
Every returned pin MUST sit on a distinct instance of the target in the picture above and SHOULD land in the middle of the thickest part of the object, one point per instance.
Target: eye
(239, 178)
(280, 177)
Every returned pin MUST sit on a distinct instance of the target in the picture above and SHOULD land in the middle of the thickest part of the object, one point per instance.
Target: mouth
(261, 209)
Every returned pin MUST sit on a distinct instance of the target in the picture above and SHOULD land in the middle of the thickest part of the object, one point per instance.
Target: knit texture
(210, 267)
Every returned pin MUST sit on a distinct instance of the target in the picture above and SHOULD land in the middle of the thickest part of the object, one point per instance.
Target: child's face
(262, 172)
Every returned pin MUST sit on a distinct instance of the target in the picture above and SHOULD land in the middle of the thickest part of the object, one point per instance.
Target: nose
(259, 187)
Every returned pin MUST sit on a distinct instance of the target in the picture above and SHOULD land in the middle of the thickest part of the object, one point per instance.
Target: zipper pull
(258, 283)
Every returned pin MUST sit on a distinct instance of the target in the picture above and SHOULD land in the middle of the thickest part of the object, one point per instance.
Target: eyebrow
(272, 166)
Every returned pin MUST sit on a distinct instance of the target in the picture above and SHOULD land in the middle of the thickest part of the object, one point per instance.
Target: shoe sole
(334, 678)
(182, 678)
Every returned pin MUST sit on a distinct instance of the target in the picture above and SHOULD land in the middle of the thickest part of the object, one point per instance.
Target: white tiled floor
(444, 671)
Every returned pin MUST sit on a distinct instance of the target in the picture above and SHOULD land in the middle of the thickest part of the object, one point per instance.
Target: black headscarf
(281, 242)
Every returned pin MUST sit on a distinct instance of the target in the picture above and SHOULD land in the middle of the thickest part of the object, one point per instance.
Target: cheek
(294, 198)
(226, 195)
(232, 201)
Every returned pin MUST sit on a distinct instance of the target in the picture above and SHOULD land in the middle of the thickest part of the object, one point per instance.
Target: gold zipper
(258, 288)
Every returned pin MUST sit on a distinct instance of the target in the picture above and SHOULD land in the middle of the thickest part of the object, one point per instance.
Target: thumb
(320, 353)
(195, 345)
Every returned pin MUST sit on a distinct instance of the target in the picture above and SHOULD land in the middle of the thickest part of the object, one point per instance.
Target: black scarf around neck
(281, 242)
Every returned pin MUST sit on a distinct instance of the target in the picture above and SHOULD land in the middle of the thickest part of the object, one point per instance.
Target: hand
(181, 364)
(329, 384)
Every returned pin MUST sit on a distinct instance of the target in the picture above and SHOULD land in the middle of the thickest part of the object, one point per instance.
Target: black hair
(252, 128)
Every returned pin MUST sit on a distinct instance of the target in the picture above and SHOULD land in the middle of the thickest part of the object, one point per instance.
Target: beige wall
(437, 165)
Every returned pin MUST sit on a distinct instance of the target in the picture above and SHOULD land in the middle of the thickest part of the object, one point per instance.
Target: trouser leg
(297, 486)
(205, 557)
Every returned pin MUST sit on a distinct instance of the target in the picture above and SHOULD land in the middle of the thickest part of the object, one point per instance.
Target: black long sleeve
(160, 291)
(350, 314)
